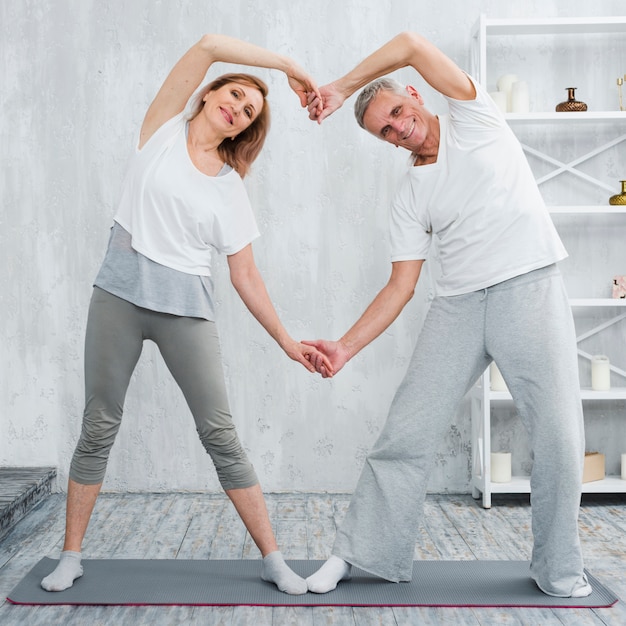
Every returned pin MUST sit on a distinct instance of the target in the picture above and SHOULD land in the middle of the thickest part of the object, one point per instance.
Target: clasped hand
(320, 102)
(328, 358)
(325, 101)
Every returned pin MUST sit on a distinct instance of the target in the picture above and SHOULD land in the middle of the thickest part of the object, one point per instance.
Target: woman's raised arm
(187, 75)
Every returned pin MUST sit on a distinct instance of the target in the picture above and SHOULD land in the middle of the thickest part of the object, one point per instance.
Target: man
(500, 297)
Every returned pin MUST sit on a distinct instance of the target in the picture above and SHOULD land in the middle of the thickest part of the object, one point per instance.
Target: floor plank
(195, 525)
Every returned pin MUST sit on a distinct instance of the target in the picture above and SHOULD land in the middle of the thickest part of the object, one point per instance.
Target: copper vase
(571, 104)
(620, 198)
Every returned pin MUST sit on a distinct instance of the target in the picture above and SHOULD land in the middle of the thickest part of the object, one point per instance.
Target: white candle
(495, 377)
(600, 373)
(504, 84)
(520, 102)
(623, 466)
(499, 97)
(500, 467)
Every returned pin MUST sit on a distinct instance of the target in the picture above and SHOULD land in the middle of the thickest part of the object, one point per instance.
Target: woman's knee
(89, 461)
(233, 468)
(100, 427)
(239, 475)
(98, 433)
(88, 470)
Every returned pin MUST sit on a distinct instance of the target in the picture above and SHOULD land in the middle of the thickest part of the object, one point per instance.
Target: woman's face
(233, 107)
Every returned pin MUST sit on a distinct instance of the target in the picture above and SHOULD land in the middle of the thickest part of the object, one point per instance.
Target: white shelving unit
(482, 399)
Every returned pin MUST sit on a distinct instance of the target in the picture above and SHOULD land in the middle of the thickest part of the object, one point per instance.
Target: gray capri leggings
(116, 330)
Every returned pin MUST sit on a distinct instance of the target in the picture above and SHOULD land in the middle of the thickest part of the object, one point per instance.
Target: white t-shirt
(479, 202)
(177, 215)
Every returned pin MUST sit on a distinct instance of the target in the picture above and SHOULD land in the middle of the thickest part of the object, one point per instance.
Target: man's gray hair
(371, 91)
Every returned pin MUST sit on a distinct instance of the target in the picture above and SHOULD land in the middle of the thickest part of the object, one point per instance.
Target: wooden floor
(200, 526)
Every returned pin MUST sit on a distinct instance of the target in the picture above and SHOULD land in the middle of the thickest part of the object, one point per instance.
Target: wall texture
(76, 77)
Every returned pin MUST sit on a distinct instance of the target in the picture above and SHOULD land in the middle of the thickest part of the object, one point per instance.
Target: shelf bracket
(595, 331)
(572, 165)
(601, 327)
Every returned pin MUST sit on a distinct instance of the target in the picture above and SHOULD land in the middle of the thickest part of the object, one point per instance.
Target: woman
(182, 196)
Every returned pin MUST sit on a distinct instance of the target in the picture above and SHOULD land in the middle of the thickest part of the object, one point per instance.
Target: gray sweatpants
(524, 324)
(116, 330)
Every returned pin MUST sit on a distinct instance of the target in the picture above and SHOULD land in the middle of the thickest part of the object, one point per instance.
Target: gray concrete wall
(75, 79)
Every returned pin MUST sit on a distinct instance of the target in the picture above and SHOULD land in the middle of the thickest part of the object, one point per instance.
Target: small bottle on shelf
(571, 104)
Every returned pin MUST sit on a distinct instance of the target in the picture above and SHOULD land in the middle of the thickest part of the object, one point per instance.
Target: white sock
(66, 572)
(327, 576)
(276, 571)
(582, 589)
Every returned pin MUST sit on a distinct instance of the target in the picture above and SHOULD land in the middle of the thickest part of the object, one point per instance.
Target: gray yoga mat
(238, 582)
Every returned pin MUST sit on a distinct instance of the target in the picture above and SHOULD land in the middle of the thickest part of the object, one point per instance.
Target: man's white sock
(327, 576)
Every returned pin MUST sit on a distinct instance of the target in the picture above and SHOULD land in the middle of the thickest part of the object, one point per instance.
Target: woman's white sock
(66, 572)
(275, 570)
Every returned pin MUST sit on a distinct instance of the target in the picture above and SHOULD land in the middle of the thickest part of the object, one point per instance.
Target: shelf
(617, 393)
(551, 26)
(589, 209)
(611, 484)
(575, 116)
(518, 484)
(521, 484)
(600, 302)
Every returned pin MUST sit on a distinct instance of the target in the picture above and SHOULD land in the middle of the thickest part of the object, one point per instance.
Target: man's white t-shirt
(175, 214)
(479, 202)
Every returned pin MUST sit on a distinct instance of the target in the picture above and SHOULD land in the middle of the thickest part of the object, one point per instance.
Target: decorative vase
(619, 198)
(571, 104)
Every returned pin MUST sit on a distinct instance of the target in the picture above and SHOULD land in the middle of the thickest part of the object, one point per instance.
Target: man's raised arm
(405, 49)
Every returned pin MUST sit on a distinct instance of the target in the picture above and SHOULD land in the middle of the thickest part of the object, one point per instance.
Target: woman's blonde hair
(245, 147)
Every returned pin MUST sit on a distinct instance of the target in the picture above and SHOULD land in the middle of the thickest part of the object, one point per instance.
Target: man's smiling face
(398, 119)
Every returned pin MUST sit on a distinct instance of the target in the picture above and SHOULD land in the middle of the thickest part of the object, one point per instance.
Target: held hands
(308, 356)
(326, 101)
(320, 102)
(327, 353)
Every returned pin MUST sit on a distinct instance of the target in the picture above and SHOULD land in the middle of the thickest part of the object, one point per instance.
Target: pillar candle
(600, 373)
(499, 97)
(501, 467)
(623, 466)
(520, 102)
(505, 84)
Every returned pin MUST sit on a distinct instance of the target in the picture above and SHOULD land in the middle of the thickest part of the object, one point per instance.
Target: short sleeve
(235, 225)
(410, 235)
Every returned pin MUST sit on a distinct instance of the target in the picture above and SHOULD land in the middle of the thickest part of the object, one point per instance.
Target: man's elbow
(409, 292)
(411, 41)
(403, 292)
